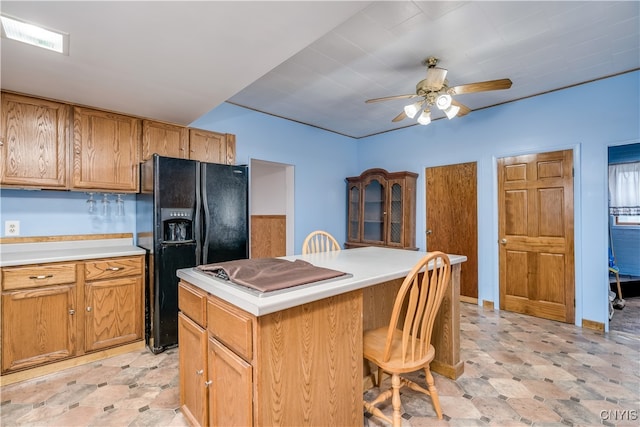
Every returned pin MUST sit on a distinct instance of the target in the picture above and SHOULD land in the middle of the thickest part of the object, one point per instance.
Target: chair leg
(395, 400)
(433, 392)
(380, 372)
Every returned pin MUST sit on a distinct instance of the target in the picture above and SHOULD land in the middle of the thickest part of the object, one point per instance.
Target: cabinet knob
(40, 277)
(88, 308)
(113, 268)
(200, 371)
(208, 383)
(72, 311)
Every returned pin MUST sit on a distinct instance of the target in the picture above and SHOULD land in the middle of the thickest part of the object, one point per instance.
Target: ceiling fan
(435, 91)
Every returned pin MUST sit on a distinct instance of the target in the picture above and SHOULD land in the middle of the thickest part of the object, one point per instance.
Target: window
(624, 193)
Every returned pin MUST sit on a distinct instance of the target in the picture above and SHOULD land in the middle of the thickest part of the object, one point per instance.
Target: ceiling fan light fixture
(412, 109)
(443, 101)
(425, 117)
(452, 111)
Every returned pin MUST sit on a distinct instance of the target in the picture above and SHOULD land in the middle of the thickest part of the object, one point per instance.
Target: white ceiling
(313, 62)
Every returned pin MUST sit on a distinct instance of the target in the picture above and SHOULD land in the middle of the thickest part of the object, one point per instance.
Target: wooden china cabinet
(381, 209)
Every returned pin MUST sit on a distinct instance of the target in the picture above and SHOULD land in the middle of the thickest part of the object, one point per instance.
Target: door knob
(503, 241)
(429, 232)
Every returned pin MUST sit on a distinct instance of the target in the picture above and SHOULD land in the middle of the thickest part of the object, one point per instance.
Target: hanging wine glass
(105, 205)
(119, 205)
(91, 204)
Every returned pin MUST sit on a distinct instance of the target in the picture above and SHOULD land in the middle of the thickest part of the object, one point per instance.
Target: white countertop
(366, 266)
(14, 254)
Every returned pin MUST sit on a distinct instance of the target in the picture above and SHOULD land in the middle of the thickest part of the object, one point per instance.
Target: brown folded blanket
(269, 274)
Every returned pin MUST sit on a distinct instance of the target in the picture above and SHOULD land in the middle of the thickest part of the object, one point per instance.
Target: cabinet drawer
(193, 303)
(35, 276)
(112, 267)
(231, 326)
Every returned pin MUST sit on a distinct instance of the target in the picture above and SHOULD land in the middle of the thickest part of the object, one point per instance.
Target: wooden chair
(319, 241)
(405, 344)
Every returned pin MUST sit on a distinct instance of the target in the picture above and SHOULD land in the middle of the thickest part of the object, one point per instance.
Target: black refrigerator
(187, 213)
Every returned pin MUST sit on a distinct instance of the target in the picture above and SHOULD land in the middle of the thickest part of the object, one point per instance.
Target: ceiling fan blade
(399, 117)
(482, 86)
(464, 110)
(388, 98)
(435, 78)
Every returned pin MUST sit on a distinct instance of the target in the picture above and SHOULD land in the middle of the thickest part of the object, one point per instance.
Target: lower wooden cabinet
(56, 311)
(38, 326)
(193, 370)
(216, 383)
(230, 387)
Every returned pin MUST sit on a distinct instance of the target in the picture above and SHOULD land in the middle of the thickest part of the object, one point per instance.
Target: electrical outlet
(12, 228)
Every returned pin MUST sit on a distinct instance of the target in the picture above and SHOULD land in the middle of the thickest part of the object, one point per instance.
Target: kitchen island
(294, 356)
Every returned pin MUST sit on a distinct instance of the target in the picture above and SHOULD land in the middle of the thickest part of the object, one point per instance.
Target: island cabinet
(381, 209)
(106, 151)
(34, 142)
(274, 369)
(59, 310)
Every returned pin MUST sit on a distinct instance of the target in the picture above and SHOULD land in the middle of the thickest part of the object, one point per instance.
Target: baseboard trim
(590, 324)
(488, 305)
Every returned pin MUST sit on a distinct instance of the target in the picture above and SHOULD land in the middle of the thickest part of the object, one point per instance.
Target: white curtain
(624, 189)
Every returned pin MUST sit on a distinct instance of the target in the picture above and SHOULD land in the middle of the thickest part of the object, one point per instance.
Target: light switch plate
(12, 228)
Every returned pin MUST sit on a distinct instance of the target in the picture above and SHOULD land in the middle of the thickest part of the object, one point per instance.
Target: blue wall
(575, 118)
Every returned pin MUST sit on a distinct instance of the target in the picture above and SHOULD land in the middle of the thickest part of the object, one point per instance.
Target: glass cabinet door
(354, 213)
(374, 205)
(394, 236)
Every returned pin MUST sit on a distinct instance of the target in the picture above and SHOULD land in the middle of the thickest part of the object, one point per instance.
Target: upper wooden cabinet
(165, 139)
(106, 151)
(186, 143)
(381, 209)
(35, 137)
(212, 147)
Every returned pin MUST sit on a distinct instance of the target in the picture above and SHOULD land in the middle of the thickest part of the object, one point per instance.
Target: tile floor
(519, 371)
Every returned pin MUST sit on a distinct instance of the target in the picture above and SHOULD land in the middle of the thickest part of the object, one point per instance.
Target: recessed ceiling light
(25, 32)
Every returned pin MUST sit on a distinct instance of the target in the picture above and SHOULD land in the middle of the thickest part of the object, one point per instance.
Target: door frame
(577, 225)
(286, 196)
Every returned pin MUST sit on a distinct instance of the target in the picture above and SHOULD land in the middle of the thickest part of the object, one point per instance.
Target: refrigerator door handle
(198, 232)
(207, 214)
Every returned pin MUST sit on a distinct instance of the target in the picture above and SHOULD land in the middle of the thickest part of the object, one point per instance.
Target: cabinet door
(113, 312)
(354, 204)
(106, 151)
(193, 370)
(164, 139)
(230, 390)
(374, 210)
(35, 136)
(38, 326)
(395, 213)
(211, 147)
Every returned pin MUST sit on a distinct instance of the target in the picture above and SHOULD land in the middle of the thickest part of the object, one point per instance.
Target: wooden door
(452, 219)
(164, 139)
(34, 142)
(113, 312)
(106, 151)
(38, 326)
(535, 215)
